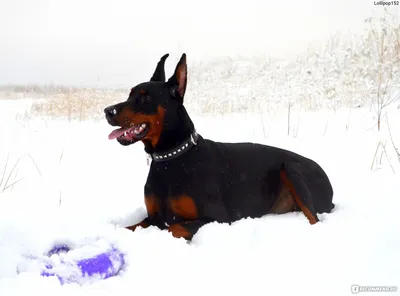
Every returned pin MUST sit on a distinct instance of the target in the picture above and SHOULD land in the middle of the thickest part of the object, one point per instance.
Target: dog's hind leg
(297, 185)
(285, 202)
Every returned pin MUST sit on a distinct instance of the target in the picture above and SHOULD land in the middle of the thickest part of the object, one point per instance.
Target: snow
(63, 182)
(81, 189)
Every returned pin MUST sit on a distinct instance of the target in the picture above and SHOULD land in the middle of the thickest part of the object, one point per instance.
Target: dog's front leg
(185, 229)
(146, 223)
(143, 224)
(153, 211)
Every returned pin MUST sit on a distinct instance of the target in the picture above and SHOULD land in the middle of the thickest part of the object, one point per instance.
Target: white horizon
(88, 43)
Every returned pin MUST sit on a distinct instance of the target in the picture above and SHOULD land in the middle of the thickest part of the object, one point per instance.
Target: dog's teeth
(143, 125)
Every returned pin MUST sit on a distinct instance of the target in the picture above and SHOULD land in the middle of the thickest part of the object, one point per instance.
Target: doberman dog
(193, 181)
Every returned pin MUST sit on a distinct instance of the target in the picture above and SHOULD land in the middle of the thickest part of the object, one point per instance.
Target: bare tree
(385, 49)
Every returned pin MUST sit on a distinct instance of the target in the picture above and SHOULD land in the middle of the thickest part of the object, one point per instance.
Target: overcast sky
(119, 42)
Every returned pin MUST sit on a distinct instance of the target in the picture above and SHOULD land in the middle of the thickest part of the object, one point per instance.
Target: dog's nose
(110, 111)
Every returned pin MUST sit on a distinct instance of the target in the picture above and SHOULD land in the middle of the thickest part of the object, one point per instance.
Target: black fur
(226, 181)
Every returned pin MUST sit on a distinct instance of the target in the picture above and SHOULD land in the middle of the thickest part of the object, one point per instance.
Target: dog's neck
(173, 134)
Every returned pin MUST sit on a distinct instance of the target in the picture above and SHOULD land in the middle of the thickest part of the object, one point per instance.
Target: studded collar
(177, 151)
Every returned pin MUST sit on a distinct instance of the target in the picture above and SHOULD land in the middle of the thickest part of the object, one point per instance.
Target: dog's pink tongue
(117, 133)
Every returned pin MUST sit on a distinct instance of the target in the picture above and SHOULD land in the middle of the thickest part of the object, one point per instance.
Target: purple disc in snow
(106, 264)
(58, 249)
(101, 266)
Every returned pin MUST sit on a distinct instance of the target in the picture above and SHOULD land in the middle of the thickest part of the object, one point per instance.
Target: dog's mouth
(129, 135)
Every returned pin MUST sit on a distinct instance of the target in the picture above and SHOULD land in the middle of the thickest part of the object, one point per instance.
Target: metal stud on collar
(192, 141)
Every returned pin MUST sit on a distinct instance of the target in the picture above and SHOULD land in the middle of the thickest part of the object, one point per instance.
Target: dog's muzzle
(110, 113)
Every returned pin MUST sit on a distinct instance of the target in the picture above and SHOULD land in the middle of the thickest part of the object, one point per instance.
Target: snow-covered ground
(63, 181)
(77, 187)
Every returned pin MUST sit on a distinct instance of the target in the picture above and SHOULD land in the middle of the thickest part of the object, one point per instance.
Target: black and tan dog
(193, 181)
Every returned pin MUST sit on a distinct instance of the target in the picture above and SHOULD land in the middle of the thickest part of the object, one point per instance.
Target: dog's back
(229, 181)
(248, 163)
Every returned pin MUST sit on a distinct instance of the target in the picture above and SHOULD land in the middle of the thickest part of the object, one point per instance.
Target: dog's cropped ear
(159, 73)
(177, 82)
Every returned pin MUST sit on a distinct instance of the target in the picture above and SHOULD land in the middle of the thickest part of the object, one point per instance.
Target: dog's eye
(145, 99)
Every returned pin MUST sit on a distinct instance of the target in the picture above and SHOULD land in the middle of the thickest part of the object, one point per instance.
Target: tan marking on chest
(152, 204)
(184, 207)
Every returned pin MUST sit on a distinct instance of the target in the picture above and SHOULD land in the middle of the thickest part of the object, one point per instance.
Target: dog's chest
(175, 195)
(176, 208)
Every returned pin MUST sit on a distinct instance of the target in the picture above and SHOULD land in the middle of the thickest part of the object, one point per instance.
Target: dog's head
(150, 107)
